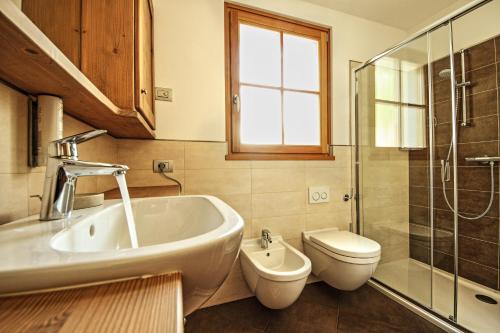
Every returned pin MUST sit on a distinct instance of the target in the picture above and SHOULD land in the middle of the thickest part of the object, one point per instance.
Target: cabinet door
(108, 48)
(144, 75)
(60, 21)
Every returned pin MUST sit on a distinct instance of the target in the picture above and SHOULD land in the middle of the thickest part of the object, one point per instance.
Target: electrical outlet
(164, 94)
(168, 166)
(319, 194)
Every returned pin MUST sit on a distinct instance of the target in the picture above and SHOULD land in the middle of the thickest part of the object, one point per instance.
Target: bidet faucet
(265, 239)
(63, 170)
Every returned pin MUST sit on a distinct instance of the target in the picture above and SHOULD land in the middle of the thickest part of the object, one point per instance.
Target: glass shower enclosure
(427, 176)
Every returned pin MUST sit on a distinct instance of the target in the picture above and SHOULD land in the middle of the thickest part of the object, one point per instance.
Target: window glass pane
(300, 63)
(386, 125)
(301, 118)
(412, 83)
(260, 118)
(260, 56)
(413, 127)
(387, 79)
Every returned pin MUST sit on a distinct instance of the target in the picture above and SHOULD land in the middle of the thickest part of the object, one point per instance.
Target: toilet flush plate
(319, 194)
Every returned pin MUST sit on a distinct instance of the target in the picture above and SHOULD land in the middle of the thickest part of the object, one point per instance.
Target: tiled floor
(320, 308)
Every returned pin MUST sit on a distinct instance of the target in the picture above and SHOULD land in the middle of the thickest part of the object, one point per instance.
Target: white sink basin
(199, 236)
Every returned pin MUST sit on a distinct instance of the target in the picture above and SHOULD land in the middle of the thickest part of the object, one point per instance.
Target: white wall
(189, 57)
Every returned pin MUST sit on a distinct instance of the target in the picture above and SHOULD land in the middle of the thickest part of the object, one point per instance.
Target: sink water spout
(122, 184)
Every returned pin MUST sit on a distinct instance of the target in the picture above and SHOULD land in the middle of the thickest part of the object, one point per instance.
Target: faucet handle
(82, 137)
(267, 234)
(66, 147)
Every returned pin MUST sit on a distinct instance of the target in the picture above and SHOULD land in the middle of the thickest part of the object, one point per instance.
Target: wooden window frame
(234, 14)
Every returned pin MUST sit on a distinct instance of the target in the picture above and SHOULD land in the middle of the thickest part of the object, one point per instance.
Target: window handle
(236, 102)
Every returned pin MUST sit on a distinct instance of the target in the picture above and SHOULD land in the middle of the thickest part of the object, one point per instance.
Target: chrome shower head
(445, 73)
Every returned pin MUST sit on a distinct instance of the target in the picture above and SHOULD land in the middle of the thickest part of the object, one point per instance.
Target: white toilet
(276, 275)
(342, 259)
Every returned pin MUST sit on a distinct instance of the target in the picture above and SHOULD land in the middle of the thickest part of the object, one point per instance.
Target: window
(277, 89)
(399, 104)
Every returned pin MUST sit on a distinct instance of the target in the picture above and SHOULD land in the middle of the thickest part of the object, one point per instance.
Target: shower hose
(445, 167)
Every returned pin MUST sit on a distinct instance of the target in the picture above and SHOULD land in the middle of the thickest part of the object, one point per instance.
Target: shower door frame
(446, 21)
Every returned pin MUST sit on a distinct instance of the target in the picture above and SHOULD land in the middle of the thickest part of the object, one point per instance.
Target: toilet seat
(347, 244)
(337, 244)
(342, 259)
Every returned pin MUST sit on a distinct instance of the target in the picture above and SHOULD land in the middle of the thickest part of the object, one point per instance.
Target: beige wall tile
(86, 185)
(278, 204)
(210, 155)
(72, 126)
(139, 178)
(277, 164)
(106, 183)
(296, 243)
(336, 178)
(336, 219)
(287, 226)
(217, 181)
(139, 154)
(13, 197)
(13, 131)
(242, 203)
(278, 180)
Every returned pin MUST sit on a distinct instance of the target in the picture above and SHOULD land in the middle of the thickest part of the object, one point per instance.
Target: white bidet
(276, 275)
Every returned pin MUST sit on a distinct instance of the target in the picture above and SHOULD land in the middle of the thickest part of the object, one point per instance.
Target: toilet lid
(347, 244)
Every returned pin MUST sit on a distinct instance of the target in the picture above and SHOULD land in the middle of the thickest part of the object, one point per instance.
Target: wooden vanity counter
(151, 304)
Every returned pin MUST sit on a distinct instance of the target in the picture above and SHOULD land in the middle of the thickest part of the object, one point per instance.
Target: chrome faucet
(265, 239)
(63, 170)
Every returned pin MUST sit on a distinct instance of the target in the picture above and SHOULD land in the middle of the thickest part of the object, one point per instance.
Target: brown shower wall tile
(482, 79)
(485, 228)
(419, 215)
(443, 261)
(420, 253)
(468, 201)
(477, 56)
(418, 176)
(418, 196)
(474, 178)
(419, 157)
(484, 253)
(482, 104)
(472, 271)
(478, 273)
(442, 111)
(466, 150)
(478, 105)
(482, 129)
(441, 91)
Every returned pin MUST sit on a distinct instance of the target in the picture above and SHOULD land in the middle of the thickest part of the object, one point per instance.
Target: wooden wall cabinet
(111, 42)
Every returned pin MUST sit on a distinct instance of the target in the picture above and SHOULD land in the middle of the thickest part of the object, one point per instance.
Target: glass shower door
(394, 177)
(421, 114)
